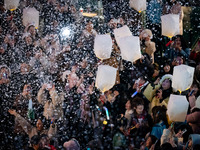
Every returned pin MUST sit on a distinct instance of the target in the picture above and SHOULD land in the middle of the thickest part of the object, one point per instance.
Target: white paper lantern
(31, 16)
(177, 108)
(138, 5)
(170, 25)
(106, 77)
(122, 32)
(103, 46)
(130, 48)
(182, 77)
(11, 4)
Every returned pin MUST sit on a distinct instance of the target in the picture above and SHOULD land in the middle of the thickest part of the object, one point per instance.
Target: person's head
(167, 68)
(44, 141)
(166, 81)
(159, 114)
(35, 142)
(89, 26)
(150, 141)
(166, 146)
(138, 105)
(5, 72)
(128, 105)
(179, 41)
(39, 125)
(71, 145)
(31, 30)
(27, 89)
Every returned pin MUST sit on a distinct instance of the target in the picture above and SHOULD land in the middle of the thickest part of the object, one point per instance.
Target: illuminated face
(166, 84)
(178, 41)
(167, 68)
(148, 142)
(39, 125)
(128, 105)
(139, 109)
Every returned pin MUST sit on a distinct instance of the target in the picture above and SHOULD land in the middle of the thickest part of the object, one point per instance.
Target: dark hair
(136, 102)
(159, 114)
(153, 138)
(166, 146)
(196, 147)
(35, 140)
(183, 42)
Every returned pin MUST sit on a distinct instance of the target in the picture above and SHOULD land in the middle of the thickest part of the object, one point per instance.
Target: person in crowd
(160, 121)
(72, 144)
(193, 140)
(149, 143)
(148, 46)
(192, 118)
(31, 130)
(140, 123)
(51, 101)
(159, 95)
(177, 48)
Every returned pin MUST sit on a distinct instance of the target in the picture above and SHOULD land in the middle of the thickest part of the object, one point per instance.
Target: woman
(177, 48)
(160, 121)
(159, 95)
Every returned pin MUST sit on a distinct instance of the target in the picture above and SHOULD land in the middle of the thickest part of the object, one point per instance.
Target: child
(140, 122)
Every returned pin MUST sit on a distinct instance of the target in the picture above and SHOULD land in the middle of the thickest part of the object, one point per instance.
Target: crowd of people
(48, 98)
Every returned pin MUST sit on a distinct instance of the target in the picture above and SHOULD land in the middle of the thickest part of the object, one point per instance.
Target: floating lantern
(138, 5)
(11, 4)
(106, 77)
(177, 108)
(130, 48)
(103, 46)
(182, 77)
(170, 25)
(31, 16)
(122, 32)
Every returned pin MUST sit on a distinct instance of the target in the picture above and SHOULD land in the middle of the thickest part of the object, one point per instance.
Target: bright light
(65, 32)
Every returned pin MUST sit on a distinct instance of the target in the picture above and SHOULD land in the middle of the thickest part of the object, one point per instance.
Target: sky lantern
(11, 4)
(122, 32)
(139, 5)
(177, 108)
(103, 46)
(170, 25)
(130, 48)
(182, 77)
(106, 77)
(31, 16)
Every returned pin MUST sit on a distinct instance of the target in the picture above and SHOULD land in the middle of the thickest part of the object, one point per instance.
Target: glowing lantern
(122, 32)
(182, 77)
(11, 4)
(170, 25)
(31, 16)
(177, 108)
(103, 46)
(138, 5)
(106, 77)
(130, 48)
